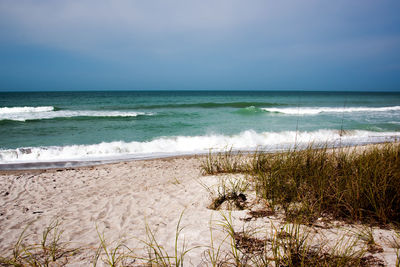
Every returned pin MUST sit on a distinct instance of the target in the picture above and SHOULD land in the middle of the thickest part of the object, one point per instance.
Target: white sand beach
(120, 199)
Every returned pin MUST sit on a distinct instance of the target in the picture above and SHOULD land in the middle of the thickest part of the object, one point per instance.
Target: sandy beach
(199, 133)
(120, 199)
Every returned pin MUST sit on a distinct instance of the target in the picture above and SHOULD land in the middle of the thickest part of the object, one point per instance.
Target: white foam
(39, 113)
(14, 110)
(247, 140)
(317, 110)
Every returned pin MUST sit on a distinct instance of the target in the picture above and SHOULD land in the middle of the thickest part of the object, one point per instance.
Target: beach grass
(111, 254)
(290, 244)
(227, 161)
(50, 250)
(158, 255)
(345, 183)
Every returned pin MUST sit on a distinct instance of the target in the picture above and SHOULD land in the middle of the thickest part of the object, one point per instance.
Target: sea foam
(49, 112)
(13, 110)
(317, 110)
(247, 140)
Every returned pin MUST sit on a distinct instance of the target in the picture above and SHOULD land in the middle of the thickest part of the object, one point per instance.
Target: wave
(40, 113)
(247, 140)
(317, 110)
(212, 105)
(13, 110)
(250, 110)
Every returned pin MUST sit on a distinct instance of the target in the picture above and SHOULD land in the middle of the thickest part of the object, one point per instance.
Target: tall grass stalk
(113, 256)
(224, 162)
(159, 256)
(50, 250)
(227, 225)
(213, 254)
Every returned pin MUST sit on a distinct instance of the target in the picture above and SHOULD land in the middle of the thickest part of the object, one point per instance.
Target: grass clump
(117, 255)
(158, 256)
(49, 251)
(346, 183)
(366, 234)
(351, 184)
(224, 162)
(290, 245)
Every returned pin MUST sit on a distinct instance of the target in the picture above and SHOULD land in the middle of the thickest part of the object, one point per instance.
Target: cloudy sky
(207, 44)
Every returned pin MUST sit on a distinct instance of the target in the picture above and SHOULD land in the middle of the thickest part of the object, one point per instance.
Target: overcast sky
(205, 44)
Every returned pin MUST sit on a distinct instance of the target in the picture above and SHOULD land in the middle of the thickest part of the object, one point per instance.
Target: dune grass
(118, 254)
(49, 251)
(288, 245)
(346, 183)
(159, 256)
(224, 162)
(115, 254)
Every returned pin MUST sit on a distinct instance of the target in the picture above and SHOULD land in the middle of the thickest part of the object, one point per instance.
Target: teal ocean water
(64, 126)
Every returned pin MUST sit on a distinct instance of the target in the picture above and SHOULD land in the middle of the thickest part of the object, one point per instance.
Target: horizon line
(202, 90)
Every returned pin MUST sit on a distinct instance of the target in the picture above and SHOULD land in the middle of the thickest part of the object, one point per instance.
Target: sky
(200, 45)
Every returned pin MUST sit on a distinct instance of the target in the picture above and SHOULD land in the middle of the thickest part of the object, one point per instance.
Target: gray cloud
(97, 24)
(256, 38)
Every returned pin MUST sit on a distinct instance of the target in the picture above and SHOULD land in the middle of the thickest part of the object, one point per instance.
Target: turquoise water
(50, 126)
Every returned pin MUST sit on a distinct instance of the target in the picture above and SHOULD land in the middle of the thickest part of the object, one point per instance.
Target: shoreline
(86, 164)
(68, 164)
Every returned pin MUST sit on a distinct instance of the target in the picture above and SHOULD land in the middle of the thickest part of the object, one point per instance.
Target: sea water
(81, 126)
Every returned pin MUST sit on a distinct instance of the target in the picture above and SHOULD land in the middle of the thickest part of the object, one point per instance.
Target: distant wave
(251, 110)
(13, 110)
(48, 112)
(247, 140)
(317, 110)
(211, 105)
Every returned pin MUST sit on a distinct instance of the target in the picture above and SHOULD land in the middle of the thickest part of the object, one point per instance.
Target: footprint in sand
(104, 211)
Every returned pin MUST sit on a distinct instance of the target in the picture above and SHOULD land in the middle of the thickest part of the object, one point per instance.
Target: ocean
(119, 125)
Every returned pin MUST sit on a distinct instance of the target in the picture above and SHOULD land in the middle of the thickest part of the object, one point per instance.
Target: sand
(120, 199)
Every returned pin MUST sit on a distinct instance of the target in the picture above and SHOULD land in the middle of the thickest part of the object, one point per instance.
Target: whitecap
(16, 110)
(247, 140)
(317, 110)
(40, 113)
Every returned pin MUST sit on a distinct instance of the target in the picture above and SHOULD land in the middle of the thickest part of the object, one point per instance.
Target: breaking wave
(247, 140)
(211, 105)
(251, 110)
(13, 110)
(317, 110)
(49, 112)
